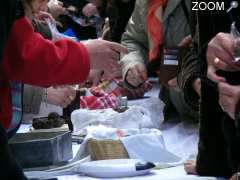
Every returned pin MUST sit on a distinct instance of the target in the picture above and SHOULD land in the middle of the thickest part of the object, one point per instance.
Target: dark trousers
(9, 169)
(213, 155)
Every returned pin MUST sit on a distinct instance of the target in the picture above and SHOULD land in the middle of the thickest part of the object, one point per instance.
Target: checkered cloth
(106, 94)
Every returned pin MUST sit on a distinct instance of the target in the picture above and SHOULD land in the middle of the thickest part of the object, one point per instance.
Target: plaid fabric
(93, 102)
(16, 92)
(106, 94)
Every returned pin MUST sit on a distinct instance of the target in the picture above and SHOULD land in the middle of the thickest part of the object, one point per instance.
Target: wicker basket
(106, 149)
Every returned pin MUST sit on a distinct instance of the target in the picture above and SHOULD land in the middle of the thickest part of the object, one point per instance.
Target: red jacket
(31, 59)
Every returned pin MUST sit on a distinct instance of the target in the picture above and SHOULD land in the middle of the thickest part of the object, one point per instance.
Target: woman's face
(39, 5)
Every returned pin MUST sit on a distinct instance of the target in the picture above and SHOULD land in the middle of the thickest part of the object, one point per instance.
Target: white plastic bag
(236, 35)
(135, 117)
(155, 107)
(56, 35)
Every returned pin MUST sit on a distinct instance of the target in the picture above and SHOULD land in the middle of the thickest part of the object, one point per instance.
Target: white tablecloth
(181, 139)
(175, 173)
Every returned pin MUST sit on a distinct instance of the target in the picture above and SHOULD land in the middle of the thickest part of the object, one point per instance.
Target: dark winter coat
(218, 152)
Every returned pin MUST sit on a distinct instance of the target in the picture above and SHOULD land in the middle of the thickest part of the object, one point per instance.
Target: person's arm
(187, 78)
(136, 40)
(32, 98)
(31, 59)
(189, 74)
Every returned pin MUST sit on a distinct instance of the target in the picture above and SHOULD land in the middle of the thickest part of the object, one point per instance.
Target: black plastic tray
(37, 149)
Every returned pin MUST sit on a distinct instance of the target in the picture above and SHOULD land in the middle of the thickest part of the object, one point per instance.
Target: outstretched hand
(104, 55)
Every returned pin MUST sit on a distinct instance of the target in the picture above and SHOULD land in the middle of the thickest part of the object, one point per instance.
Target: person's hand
(43, 16)
(136, 75)
(220, 56)
(186, 41)
(104, 55)
(93, 79)
(235, 176)
(89, 10)
(228, 97)
(56, 8)
(173, 82)
(60, 96)
(190, 167)
(197, 86)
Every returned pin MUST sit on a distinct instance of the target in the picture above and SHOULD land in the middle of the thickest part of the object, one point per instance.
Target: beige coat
(136, 38)
(176, 27)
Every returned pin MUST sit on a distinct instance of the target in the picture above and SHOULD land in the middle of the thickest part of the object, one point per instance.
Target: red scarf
(155, 28)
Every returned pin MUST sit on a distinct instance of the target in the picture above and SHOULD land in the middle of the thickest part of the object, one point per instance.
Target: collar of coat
(171, 6)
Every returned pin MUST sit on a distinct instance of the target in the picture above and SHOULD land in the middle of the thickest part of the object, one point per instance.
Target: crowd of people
(46, 46)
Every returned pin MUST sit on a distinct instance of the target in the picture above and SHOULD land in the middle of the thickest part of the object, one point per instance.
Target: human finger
(219, 52)
(115, 55)
(131, 77)
(190, 167)
(227, 89)
(219, 64)
(136, 76)
(44, 15)
(172, 82)
(226, 103)
(141, 72)
(185, 41)
(118, 47)
(63, 102)
(70, 93)
(225, 41)
(211, 74)
(66, 102)
(112, 64)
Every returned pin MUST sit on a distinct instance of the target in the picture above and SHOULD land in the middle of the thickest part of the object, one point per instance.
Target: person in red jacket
(26, 57)
(41, 62)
